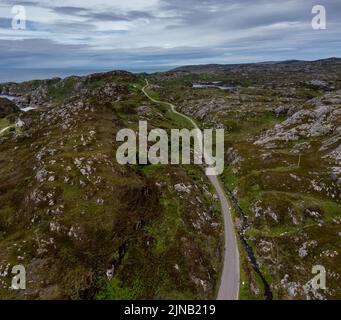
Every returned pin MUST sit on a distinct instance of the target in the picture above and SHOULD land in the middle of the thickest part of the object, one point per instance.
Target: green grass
(153, 94)
(165, 232)
(174, 120)
(4, 123)
(149, 170)
(59, 92)
(96, 84)
(115, 291)
(137, 87)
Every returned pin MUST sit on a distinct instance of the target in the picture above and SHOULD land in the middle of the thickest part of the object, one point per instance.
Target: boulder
(281, 110)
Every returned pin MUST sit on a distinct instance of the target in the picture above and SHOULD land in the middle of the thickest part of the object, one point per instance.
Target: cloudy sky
(70, 36)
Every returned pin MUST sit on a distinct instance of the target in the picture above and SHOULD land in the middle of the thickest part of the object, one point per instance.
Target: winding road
(230, 276)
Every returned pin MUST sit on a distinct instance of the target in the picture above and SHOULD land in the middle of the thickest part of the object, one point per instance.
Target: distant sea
(20, 75)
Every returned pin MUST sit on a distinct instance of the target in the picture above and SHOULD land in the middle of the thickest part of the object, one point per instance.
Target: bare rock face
(316, 83)
(285, 111)
(7, 107)
(281, 110)
(318, 122)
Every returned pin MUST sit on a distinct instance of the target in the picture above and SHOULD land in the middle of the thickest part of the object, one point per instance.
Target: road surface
(230, 276)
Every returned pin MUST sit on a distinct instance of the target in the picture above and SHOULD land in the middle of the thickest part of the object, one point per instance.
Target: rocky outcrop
(307, 123)
(285, 111)
(43, 93)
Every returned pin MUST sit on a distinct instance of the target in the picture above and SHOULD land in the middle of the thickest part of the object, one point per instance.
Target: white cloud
(167, 32)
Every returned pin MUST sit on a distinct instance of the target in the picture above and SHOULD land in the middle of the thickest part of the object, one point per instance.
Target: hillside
(86, 227)
(282, 164)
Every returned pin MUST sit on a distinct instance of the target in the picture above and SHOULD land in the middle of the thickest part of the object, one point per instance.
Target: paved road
(230, 277)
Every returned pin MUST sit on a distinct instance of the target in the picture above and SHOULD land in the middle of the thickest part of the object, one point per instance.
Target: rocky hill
(86, 227)
(282, 134)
